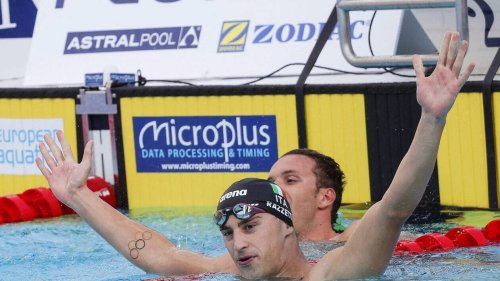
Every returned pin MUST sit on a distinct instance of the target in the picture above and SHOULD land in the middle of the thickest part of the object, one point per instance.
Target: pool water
(66, 248)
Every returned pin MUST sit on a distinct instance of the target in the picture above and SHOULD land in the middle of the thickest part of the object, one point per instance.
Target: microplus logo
(205, 143)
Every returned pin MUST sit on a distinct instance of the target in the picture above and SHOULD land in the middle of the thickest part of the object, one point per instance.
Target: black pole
(489, 131)
(299, 87)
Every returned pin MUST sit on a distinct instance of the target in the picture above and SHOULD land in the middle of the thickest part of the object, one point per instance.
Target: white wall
(40, 60)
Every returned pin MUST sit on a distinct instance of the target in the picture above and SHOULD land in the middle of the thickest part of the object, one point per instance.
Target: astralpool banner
(19, 139)
(186, 39)
(205, 143)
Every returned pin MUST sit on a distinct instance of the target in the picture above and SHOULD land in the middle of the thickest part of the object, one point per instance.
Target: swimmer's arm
(344, 236)
(144, 247)
(370, 247)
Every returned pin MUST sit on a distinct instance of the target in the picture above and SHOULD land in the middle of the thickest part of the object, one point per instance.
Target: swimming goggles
(241, 211)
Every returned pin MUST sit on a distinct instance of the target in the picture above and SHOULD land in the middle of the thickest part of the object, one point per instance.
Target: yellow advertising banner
(23, 123)
(192, 184)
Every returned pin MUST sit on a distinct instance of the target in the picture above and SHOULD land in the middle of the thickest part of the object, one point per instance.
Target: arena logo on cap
(205, 143)
(235, 193)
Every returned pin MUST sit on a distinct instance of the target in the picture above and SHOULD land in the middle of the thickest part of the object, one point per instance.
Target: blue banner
(132, 40)
(205, 143)
(17, 18)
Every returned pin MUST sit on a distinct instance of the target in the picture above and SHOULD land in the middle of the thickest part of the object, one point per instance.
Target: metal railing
(346, 6)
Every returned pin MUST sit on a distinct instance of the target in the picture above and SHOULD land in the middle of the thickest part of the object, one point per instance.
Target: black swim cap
(260, 193)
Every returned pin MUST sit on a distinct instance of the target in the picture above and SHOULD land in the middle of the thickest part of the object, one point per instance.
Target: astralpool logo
(132, 40)
(205, 143)
(235, 34)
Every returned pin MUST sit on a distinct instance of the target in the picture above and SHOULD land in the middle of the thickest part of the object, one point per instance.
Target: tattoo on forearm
(139, 243)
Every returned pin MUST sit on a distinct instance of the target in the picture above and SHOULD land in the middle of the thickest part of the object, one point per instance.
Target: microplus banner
(19, 139)
(205, 143)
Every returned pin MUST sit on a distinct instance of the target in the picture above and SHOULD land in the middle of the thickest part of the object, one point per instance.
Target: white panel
(103, 156)
(279, 32)
(19, 140)
(484, 30)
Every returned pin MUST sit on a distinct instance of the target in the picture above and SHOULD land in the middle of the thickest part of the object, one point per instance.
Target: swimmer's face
(256, 245)
(295, 175)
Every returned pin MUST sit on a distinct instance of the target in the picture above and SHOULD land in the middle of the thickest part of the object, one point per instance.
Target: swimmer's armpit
(139, 243)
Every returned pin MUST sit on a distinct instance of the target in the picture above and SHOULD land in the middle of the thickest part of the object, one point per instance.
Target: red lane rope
(40, 202)
(464, 236)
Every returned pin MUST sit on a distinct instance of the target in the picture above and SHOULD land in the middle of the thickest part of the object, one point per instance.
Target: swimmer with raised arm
(255, 220)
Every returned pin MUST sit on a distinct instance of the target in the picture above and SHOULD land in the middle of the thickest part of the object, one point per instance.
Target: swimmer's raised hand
(437, 93)
(64, 174)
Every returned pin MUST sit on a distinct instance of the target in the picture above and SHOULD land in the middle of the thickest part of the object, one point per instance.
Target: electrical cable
(142, 81)
(11, 79)
(272, 73)
(371, 51)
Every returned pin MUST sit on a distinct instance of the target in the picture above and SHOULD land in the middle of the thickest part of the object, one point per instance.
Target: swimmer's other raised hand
(437, 92)
(65, 176)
